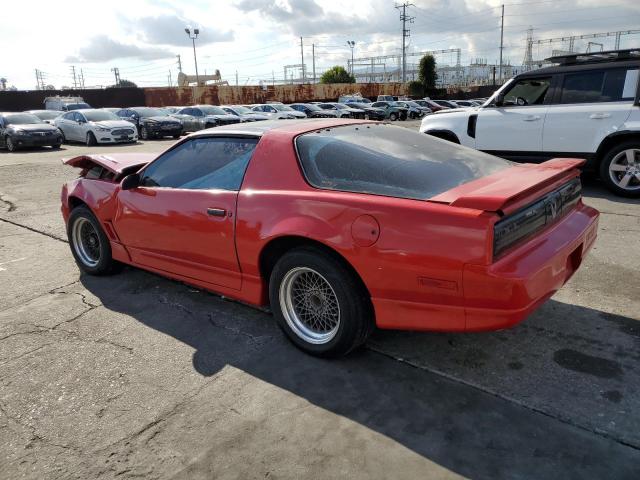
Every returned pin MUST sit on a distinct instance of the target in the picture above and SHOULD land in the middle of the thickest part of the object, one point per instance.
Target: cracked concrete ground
(137, 376)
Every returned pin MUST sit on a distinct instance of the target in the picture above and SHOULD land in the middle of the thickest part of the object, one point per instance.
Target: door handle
(216, 212)
(531, 118)
(597, 116)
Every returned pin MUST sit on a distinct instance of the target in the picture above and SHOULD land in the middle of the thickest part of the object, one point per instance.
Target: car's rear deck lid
(115, 163)
(494, 192)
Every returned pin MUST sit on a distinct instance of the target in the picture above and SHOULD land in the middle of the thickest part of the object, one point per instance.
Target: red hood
(509, 187)
(114, 162)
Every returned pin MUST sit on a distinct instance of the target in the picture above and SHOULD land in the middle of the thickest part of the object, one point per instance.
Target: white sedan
(92, 126)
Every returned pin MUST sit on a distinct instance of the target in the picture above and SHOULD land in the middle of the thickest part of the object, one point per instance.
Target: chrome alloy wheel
(309, 305)
(624, 169)
(86, 242)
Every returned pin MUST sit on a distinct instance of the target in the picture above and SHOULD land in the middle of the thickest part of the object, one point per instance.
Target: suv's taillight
(534, 217)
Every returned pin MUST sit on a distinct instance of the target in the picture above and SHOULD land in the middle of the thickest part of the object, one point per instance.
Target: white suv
(586, 107)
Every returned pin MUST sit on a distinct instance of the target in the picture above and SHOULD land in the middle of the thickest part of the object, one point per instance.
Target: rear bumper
(501, 294)
(506, 292)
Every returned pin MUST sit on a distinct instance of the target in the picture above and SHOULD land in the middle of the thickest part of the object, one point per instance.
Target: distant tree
(416, 89)
(427, 75)
(337, 74)
(126, 83)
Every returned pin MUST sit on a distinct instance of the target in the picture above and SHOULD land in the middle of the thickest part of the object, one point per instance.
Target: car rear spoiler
(499, 191)
(116, 163)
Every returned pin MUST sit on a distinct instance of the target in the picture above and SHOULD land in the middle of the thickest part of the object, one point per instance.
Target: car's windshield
(389, 160)
(338, 106)
(412, 104)
(312, 107)
(47, 114)
(21, 119)
(240, 109)
(211, 110)
(150, 112)
(99, 115)
(350, 105)
(282, 108)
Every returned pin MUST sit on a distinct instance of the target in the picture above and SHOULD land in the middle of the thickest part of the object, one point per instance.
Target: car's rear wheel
(89, 244)
(319, 303)
(620, 169)
(393, 116)
(91, 140)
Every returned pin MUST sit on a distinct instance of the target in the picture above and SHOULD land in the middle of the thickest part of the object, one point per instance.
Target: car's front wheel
(11, 146)
(89, 244)
(144, 133)
(91, 140)
(620, 169)
(393, 116)
(319, 303)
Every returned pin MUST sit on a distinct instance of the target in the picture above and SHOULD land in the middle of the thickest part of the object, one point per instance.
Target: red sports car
(339, 225)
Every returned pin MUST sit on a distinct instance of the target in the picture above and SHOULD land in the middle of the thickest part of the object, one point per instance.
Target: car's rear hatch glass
(382, 159)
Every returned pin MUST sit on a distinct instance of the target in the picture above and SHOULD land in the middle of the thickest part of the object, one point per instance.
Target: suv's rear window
(388, 160)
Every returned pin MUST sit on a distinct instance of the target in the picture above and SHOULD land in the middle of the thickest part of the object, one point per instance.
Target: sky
(256, 38)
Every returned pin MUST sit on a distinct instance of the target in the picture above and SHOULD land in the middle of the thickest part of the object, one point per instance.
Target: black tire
(105, 264)
(355, 312)
(56, 146)
(91, 140)
(393, 116)
(64, 139)
(606, 173)
(144, 133)
(8, 141)
(176, 137)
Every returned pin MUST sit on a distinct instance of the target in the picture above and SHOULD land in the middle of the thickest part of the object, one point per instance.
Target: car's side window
(611, 85)
(532, 91)
(196, 112)
(68, 116)
(202, 164)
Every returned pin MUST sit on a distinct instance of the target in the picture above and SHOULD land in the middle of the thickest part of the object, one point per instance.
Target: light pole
(193, 36)
(351, 44)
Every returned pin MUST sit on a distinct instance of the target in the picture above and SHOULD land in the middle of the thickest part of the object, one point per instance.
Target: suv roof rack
(596, 57)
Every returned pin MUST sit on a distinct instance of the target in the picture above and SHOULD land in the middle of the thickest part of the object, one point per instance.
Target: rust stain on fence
(246, 95)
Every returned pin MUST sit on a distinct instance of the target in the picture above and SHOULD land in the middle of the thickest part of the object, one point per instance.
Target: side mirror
(499, 101)
(130, 181)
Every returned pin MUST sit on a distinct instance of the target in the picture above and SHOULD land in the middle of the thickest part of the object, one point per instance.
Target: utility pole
(273, 78)
(236, 78)
(501, 45)
(38, 87)
(179, 64)
(313, 61)
(405, 34)
(73, 72)
(169, 79)
(116, 73)
(82, 78)
(302, 58)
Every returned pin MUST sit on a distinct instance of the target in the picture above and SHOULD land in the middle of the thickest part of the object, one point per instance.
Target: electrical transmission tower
(116, 73)
(73, 73)
(528, 53)
(404, 18)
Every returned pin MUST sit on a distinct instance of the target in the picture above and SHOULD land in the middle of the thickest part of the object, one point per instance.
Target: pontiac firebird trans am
(339, 225)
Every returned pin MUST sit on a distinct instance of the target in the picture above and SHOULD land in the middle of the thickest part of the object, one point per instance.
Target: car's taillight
(534, 217)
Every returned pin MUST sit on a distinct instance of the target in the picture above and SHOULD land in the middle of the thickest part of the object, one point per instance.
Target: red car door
(181, 219)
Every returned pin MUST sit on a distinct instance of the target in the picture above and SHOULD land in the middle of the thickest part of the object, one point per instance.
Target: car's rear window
(386, 160)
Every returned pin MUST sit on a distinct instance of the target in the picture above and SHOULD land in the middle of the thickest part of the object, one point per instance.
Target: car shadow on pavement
(449, 419)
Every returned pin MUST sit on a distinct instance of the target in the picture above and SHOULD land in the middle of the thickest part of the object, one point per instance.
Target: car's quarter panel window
(612, 85)
(532, 90)
(390, 161)
(202, 164)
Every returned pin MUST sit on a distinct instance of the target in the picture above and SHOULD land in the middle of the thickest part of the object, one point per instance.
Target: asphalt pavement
(135, 375)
